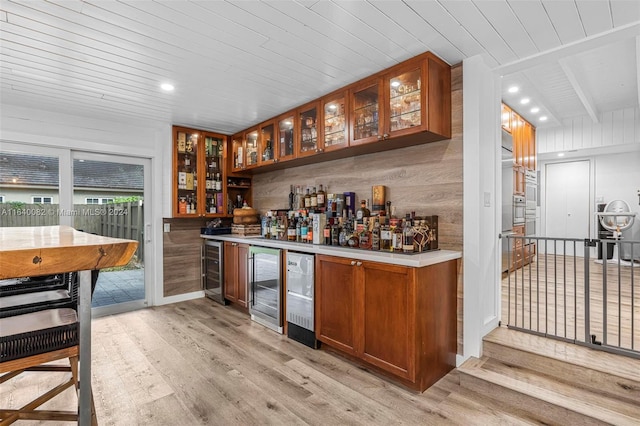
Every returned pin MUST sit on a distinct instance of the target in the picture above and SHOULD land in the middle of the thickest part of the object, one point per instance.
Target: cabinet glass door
(405, 100)
(237, 146)
(366, 113)
(335, 123)
(251, 145)
(286, 138)
(213, 150)
(266, 143)
(187, 172)
(308, 131)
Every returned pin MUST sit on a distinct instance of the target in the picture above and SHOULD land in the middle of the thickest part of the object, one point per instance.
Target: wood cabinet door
(335, 121)
(389, 318)
(242, 257)
(230, 267)
(337, 296)
(237, 157)
(366, 113)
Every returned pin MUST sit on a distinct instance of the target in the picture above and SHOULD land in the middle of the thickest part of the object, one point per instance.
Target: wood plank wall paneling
(615, 128)
(425, 178)
(182, 256)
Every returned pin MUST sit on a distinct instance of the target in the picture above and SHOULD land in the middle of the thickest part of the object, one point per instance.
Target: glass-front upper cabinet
(238, 153)
(366, 113)
(405, 99)
(286, 137)
(214, 174)
(251, 147)
(308, 120)
(266, 143)
(199, 173)
(186, 143)
(335, 121)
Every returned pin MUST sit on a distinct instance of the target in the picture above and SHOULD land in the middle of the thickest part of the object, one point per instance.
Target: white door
(567, 212)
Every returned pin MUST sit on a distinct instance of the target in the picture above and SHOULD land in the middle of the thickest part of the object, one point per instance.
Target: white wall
(482, 203)
(32, 130)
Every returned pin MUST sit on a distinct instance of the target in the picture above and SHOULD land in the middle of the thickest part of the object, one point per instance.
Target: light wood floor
(548, 296)
(198, 363)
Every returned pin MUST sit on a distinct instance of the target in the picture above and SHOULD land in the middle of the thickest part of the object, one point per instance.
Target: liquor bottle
(314, 199)
(322, 198)
(310, 230)
(274, 228)
(365, 235)
(335, 234)
(397, 238)
(385, 238)
(218, 182)
(407, 236)
(375, 235)
(364, 211)
(193, 203)
(291, 196)
(298, 228)
(304, 230)
(291, 230)
(327, 232)
(343, 237)
(307, 199)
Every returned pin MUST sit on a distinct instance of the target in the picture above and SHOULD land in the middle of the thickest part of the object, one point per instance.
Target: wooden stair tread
(558, 394)
(618, 365)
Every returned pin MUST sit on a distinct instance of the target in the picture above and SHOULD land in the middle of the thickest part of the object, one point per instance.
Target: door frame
(147, 232)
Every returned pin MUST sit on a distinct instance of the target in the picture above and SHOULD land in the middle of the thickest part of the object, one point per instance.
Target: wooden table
(47, 250)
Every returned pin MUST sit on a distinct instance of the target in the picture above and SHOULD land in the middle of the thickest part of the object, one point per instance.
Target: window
(98, 200)
(41, 200)
(1, 198)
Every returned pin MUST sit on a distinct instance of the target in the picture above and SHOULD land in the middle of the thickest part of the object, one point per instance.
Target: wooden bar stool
(27, 343)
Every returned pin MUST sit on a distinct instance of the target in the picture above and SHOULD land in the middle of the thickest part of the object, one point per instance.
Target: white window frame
(1, 198)
(98, 199)
(42, 198)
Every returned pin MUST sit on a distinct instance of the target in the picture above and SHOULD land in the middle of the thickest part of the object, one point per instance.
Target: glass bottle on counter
(310, 231)
(291, 230)
(298, 228)
(335, 234)
(327, 232)
(363, 211)
(397, 237)
(385, 238)
(274, 228)
(322, 198)
(375, 235)
(291, 197)
(314, 199)
(365, 235)
(304, 230)
(307, 200)
(407, 236)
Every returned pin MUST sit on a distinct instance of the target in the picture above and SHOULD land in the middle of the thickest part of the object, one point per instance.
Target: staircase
(555, 382)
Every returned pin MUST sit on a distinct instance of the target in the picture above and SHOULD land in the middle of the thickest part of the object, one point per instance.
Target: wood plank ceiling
(236, 63)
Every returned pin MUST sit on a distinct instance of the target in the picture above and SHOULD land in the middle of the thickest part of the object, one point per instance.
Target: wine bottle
(322, 198)
(291, 196)
(314, 199)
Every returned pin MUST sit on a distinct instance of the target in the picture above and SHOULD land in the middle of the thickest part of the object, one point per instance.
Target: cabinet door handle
(385, 136)
(358, 263)
(379, 137)
(353, 262)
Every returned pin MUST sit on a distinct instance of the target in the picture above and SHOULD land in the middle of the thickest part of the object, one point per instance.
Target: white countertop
(415, 260)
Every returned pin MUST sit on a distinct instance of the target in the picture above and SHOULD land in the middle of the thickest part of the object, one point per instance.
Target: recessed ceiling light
(561, 154)
(525, 101)
(535, 110)
(513, 89)
(543, 118)
(167, 87)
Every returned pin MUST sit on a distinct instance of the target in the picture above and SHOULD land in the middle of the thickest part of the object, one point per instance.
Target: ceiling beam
(584, 96)
(624, 32)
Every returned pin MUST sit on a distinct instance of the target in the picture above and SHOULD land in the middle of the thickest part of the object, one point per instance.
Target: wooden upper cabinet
(199, 172)
(335, 121)
(251, 148)
(309, 130)
(266, 143)
(505, 117)
(286, 137)
(366, 115)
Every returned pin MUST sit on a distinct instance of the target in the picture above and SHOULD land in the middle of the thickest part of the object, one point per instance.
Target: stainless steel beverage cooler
(265, 304)
(300, 302)
(212, 279)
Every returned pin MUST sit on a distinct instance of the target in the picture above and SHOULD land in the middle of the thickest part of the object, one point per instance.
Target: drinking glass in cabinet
(334, 123)
(309, 132)
(252, 148)
(405, 99)
(366, 113)
(285, 144)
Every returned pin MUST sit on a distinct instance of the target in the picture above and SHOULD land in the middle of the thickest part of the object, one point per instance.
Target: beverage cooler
(300, 302)
(265, 284)
(212, 279)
